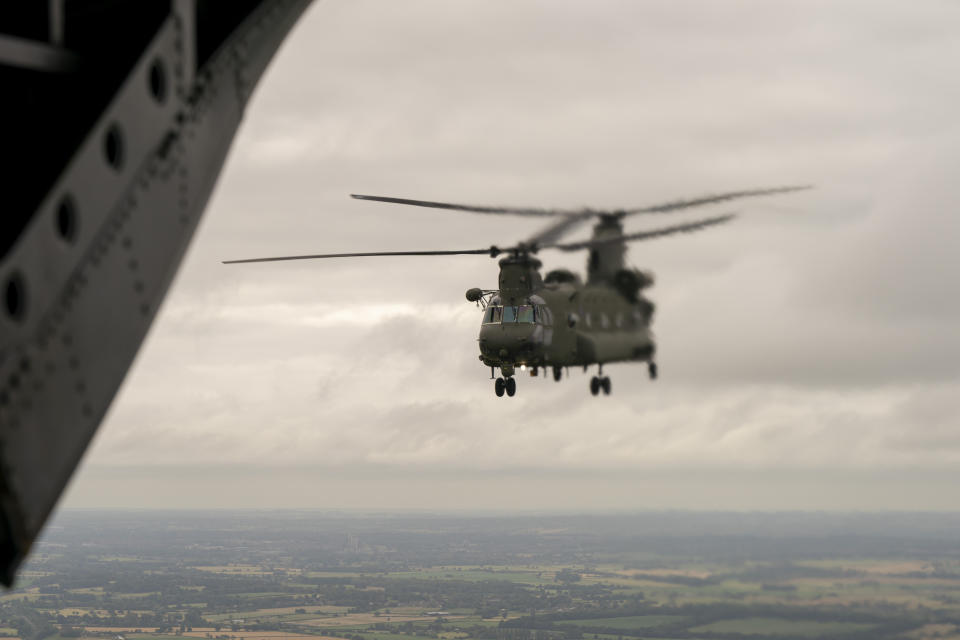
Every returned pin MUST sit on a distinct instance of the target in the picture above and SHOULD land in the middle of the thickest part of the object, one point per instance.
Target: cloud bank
(815, 335)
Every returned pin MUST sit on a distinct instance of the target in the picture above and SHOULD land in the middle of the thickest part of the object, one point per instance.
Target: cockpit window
(523, 313)
(492, 315)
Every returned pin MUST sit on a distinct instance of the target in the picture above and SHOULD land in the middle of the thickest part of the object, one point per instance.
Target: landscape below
(291, 575)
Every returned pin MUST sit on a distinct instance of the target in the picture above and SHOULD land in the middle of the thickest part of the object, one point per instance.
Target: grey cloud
(386, 393)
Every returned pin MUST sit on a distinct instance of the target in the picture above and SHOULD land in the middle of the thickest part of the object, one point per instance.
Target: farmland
(310, 576)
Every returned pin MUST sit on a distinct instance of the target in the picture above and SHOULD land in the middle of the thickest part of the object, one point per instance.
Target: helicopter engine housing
(629, 282)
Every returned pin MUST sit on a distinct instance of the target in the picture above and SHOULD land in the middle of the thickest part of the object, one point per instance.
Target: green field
(379, 635)
(780, 627)
(625, 623)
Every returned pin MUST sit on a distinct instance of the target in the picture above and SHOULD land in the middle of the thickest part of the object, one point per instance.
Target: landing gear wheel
(652, 370)
(498, 387)
(557, 374)
(594, 385)
(511, 386)
(605, 385)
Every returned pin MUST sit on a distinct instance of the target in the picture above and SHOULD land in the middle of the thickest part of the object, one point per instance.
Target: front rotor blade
(518, 211)
(675, 205)
(644, 235)
(492, 251)
(558, 229)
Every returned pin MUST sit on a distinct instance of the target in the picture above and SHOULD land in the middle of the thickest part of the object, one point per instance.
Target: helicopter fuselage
(568, 326)
(561, 322)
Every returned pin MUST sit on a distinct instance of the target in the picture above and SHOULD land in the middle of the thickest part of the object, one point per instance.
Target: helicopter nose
(507, 344)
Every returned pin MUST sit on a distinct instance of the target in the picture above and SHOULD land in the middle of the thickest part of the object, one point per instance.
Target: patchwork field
(780, 627)
(366, 619)
(557, 578)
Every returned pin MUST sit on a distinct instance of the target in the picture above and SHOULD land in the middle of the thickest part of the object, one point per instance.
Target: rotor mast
(606, 259)
(519, 277)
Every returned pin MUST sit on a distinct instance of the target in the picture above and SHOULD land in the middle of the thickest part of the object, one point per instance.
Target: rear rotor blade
(675, 205)
(558, 229)
(643, 235)
(491, 251)
(519, 211)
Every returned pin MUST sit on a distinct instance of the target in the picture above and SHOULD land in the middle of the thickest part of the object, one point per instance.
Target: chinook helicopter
(552, 323)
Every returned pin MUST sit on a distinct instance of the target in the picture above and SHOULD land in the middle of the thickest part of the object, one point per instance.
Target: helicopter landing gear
(598, 383)
(652, 370)
(505, 385)
(557, 374)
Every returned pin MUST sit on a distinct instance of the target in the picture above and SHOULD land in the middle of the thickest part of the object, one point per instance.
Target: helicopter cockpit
(515, 334)
(516, 314)
(521, 314)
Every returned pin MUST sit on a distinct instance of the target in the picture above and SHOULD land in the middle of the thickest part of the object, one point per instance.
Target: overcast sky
(809, 352)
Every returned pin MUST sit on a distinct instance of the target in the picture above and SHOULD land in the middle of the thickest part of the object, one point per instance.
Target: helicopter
(553, 322)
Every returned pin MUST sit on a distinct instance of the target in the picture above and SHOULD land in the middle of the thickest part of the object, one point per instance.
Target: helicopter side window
(492, 315)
